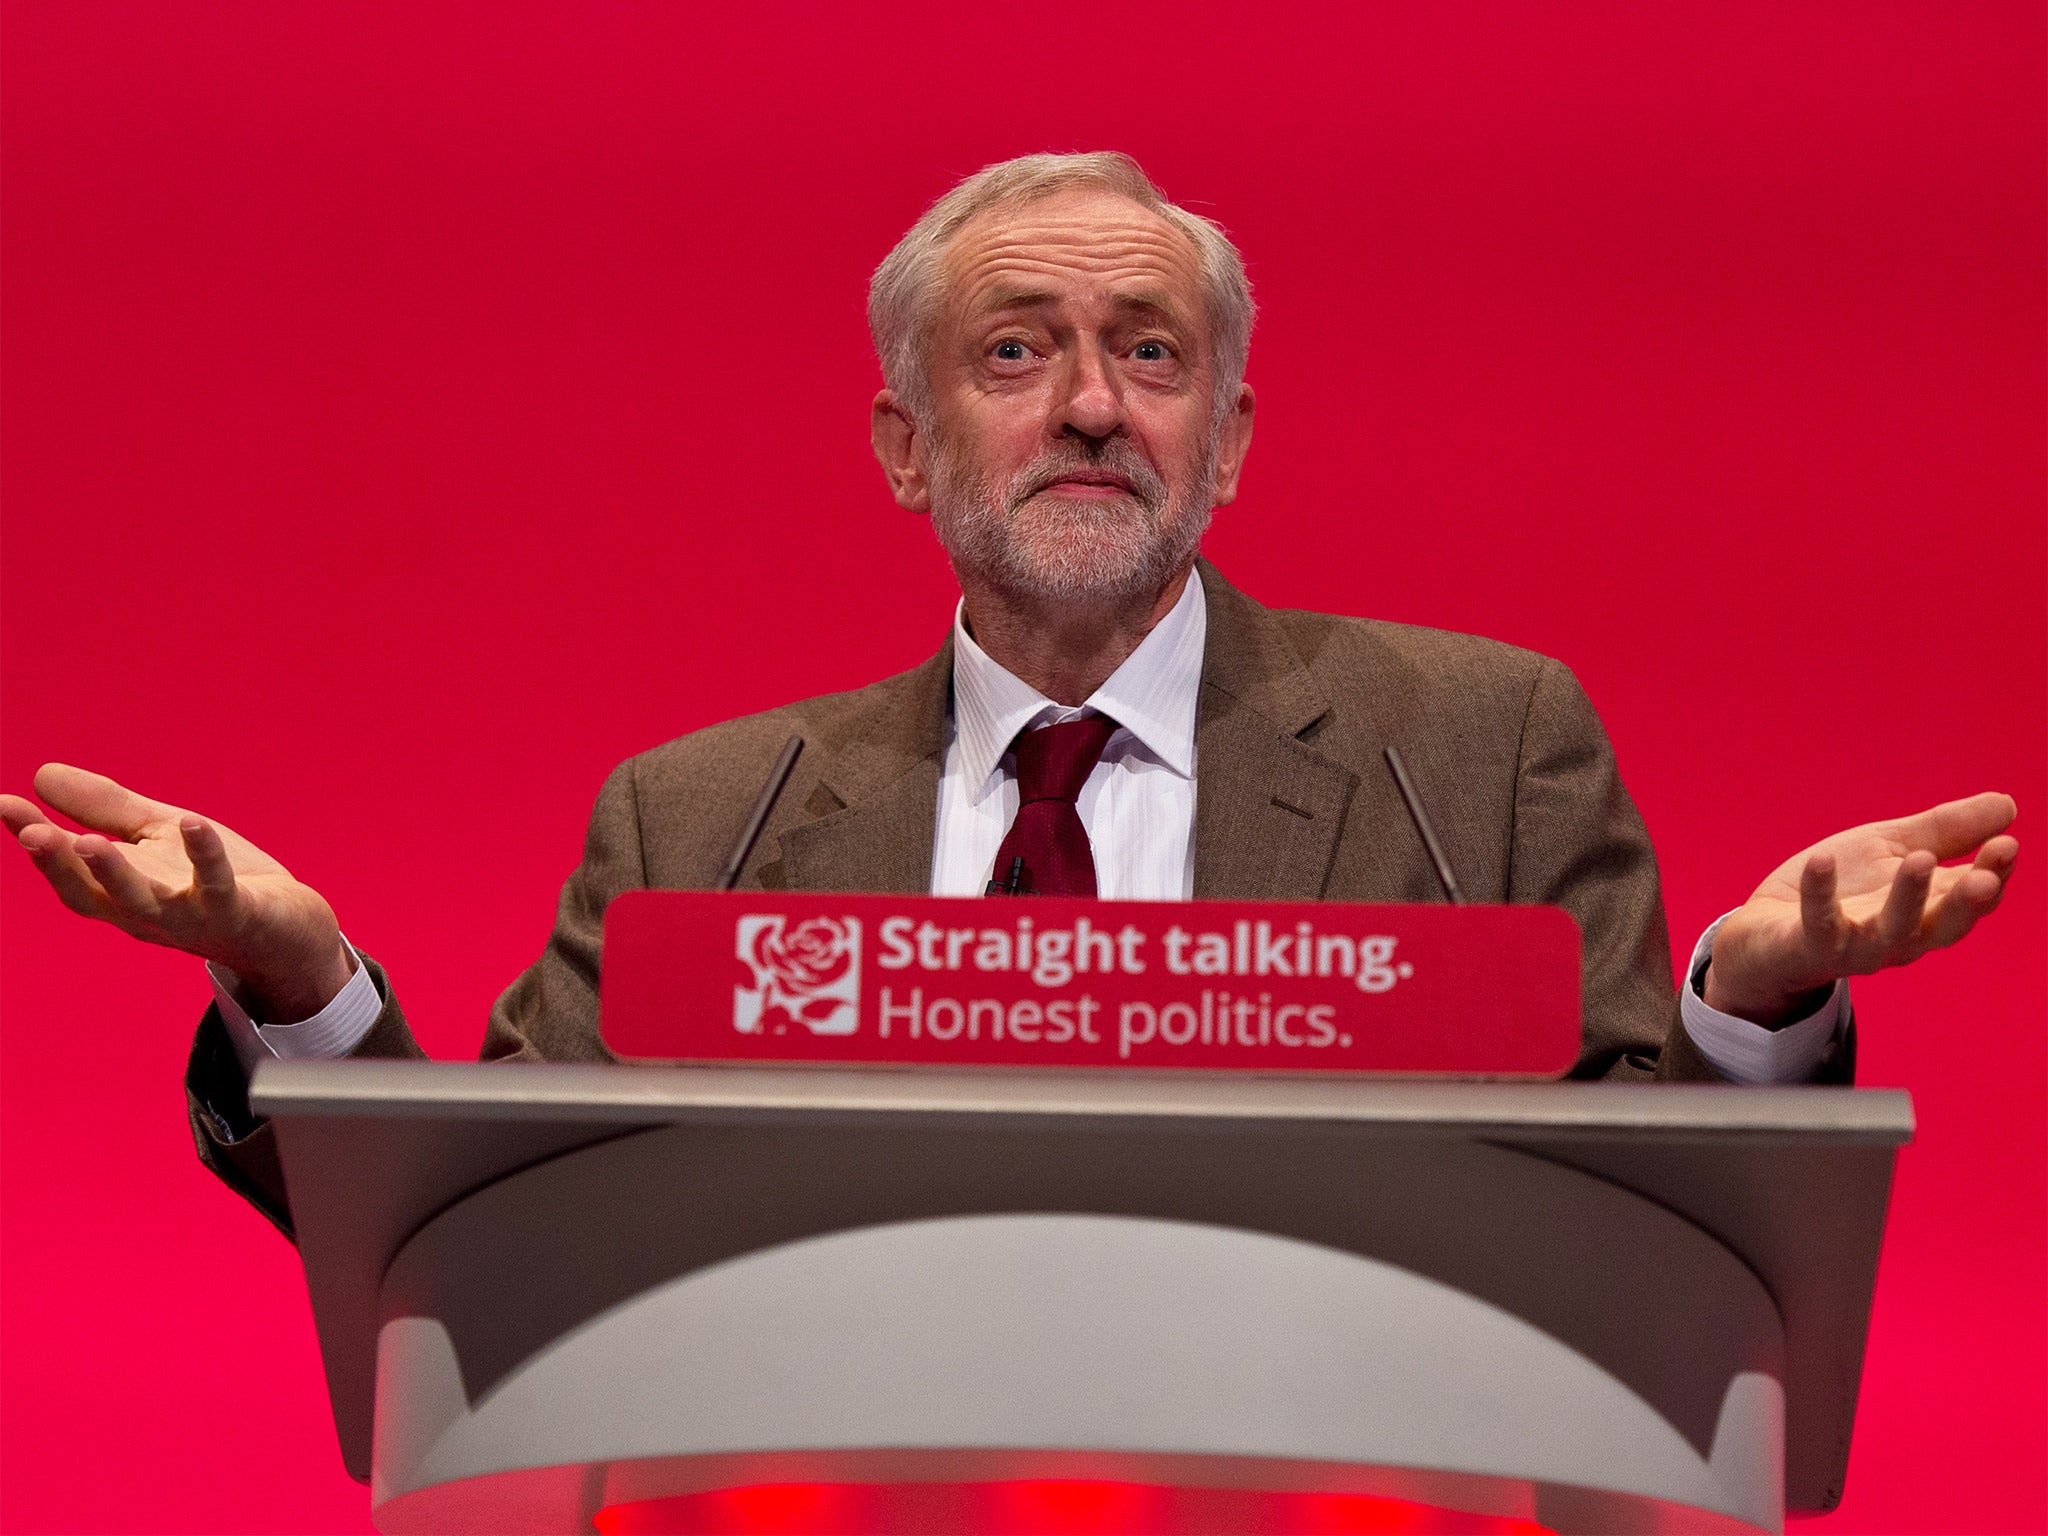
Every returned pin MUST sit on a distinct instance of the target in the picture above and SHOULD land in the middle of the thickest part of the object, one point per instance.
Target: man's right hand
(171, 877)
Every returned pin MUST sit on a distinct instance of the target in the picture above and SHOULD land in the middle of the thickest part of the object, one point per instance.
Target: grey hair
(903, 297)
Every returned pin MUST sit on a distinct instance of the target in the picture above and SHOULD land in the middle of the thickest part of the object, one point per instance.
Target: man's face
(1071, 451)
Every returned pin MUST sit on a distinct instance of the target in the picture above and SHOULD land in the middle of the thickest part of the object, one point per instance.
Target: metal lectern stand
(542, 1290)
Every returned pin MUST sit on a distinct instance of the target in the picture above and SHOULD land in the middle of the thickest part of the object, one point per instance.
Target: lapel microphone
(770, 793)
(1420, 817)
(1014, 884)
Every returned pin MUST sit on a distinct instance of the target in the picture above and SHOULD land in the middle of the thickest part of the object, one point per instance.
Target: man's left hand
(1872, 896)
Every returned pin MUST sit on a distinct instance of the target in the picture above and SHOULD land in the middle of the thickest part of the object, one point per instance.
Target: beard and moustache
(1058, 549)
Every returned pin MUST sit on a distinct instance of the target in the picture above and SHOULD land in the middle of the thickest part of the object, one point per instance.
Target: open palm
(1874, 896)
(171, 877)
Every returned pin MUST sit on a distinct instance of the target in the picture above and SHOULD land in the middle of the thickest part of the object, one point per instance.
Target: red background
(412, 410)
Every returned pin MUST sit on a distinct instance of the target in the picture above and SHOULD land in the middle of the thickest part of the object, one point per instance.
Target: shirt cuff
(1745, 1052)
(330, 1034)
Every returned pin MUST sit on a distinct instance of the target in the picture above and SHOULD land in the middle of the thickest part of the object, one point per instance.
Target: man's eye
(1010, 351)
(1150, 352)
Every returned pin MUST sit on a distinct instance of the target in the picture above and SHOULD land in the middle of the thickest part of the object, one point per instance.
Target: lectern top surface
(1793, 1181)
(673, 1094)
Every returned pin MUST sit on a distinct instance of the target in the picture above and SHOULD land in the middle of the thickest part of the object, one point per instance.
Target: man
(1064, 357)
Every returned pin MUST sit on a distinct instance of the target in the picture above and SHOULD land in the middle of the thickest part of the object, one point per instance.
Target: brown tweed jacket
(1293, 803)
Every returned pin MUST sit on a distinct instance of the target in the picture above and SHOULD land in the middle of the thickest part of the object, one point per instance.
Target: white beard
(1051, 548)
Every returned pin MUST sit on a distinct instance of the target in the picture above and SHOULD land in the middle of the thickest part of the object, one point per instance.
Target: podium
(544, 1290)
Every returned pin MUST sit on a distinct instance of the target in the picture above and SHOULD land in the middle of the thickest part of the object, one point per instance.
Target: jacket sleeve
(231, 1140)
(1579, 843)
(548, 1014)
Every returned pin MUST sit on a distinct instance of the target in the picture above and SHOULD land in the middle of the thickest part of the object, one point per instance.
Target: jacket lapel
(875, 803)
(1268, 806)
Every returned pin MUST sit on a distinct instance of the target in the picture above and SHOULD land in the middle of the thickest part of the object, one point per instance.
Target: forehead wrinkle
(999, 295)
(1007, 277)
(1057, 217)
(1093, 251)
(1053, 233)
(1031, 255)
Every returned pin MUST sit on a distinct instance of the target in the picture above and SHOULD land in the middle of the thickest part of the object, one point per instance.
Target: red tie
(1053, 762)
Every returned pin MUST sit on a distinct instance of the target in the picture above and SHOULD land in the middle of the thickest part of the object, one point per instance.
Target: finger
(126, 886)
(55, 855)
(18, 813)
(1819, 913)
(1971, 894)
(1998, 856)
(45, 839)
(1899, 922)
(1952, 829)
(96, 801)
(213, 876)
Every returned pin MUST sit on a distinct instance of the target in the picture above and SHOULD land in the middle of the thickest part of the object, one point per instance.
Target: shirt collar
(1152, 695)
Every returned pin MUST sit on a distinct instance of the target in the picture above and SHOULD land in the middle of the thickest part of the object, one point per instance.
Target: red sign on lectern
(1053, 981)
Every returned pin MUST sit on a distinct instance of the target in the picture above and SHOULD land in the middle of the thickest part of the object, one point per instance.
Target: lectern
(543, 1290)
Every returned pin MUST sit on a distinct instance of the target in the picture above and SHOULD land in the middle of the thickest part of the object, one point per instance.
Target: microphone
(1421, 819)
(1013, 884)
(770, 793)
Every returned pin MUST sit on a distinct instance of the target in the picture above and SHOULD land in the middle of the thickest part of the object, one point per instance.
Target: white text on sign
(1053, 956)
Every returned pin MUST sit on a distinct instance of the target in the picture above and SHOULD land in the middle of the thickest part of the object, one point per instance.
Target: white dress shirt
(1138, 806)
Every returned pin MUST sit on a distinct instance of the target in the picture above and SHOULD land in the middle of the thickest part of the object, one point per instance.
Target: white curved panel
(1063, 1333)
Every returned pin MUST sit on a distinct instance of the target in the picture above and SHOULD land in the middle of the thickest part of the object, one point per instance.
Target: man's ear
(900, 447)
(1233, 442)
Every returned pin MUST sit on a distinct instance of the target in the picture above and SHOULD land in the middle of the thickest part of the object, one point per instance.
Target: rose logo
(805, 973)
(812, 957)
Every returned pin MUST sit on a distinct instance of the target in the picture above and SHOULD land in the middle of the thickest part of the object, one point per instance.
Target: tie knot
(1054, 761)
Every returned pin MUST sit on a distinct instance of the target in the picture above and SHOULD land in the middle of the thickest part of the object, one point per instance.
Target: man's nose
(1092, 403)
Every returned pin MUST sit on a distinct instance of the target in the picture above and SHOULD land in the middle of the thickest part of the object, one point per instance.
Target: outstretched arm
(1874, 896)
(168, 876)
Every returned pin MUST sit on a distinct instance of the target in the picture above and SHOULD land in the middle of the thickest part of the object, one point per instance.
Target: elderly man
(1064, 354)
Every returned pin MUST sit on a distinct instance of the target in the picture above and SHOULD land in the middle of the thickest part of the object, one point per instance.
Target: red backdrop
(410, 411)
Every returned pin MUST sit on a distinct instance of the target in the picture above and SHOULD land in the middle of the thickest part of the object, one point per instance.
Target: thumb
(213, 874)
